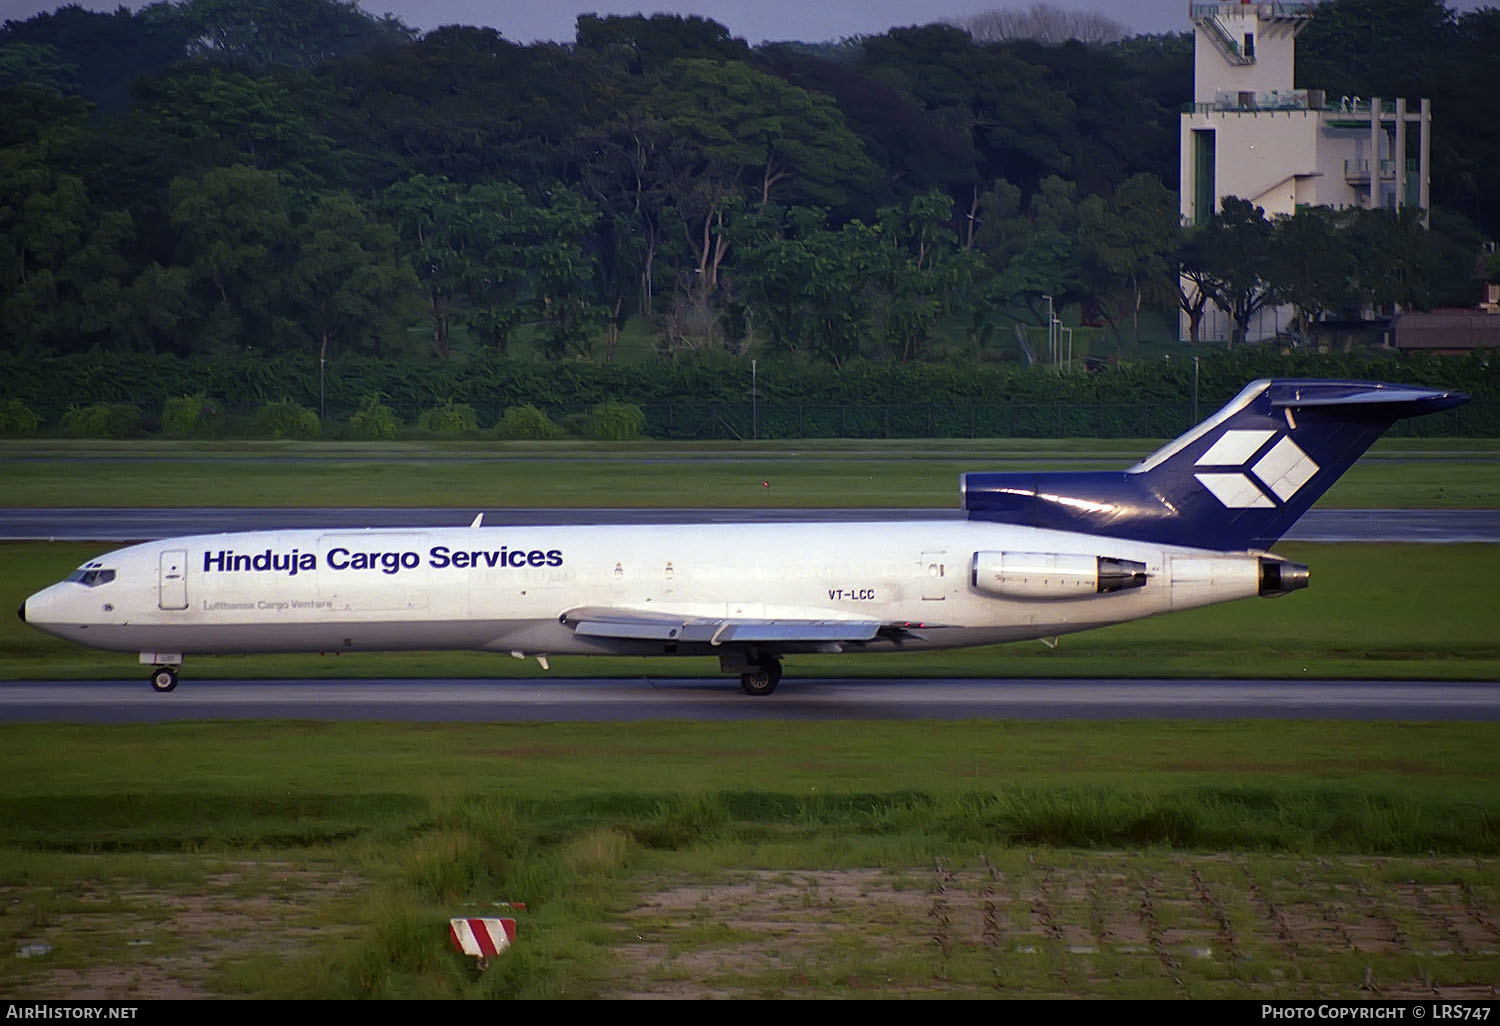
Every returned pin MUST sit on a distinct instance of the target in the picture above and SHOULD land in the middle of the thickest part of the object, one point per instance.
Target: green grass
(324, 859)
(1399, 473)
(767, 859)
(1373, 611)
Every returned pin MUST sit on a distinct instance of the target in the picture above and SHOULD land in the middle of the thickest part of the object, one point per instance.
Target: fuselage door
(172, 579)
(934, 572)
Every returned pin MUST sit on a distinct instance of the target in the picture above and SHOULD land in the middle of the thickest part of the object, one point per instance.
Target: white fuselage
(510, 588)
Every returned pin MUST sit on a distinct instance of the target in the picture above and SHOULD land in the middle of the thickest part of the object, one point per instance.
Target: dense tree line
(217, 177)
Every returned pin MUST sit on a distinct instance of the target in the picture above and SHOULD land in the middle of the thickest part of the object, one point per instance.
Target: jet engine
(1279, 577)
(1053, 575)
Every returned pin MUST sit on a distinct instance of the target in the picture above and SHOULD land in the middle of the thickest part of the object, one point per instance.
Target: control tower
(1250, 133)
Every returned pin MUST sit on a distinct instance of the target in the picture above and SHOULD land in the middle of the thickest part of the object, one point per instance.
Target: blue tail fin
(1237, 481)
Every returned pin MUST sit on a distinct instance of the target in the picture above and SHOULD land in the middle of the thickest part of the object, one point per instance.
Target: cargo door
(172, 579)
(933, 570)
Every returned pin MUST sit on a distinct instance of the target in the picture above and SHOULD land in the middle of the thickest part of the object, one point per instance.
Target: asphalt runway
(128, 525)
(715, 699)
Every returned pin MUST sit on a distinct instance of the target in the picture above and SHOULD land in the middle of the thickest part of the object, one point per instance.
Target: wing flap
(632, 625)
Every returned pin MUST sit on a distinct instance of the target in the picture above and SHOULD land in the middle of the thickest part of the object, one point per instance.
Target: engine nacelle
(1053, 575)
(1281, 577)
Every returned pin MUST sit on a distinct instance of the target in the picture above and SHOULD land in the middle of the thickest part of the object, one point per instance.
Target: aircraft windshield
(90, 578)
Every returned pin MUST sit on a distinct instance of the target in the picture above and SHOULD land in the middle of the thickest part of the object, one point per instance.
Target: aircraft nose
(21, 612)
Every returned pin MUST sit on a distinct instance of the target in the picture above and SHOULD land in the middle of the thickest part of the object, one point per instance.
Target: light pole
(754, 405)
(1051, 339)
(1195, 390)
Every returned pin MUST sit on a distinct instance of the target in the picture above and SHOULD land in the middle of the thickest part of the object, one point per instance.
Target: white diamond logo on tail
(1234, 448)
(1235, 491)
(1285, 469)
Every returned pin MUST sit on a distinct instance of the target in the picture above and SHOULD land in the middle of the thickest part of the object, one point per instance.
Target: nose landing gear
(164, 679)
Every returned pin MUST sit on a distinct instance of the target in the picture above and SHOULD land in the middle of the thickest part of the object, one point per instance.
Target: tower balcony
(1214, 19)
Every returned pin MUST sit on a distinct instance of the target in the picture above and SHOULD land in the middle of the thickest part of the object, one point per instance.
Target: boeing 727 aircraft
(1039, 555)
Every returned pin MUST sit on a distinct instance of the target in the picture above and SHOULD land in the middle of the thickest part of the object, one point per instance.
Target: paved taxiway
(123, 525)
(704, 699)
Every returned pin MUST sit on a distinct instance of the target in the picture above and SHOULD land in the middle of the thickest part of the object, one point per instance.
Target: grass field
(1398, 473)
(664, 859)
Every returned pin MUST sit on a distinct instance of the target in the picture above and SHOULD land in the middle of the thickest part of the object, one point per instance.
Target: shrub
(450, 420)
(615, 422)
(102, 420)
(374, 421)
(16, 418)
(192, 416)
(286, 420)
(526, 423)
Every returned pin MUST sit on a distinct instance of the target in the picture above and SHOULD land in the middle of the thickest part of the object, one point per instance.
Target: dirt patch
(1050, 924)
(122, 940)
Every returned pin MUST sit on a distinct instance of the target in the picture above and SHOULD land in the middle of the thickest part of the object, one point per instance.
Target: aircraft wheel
(761, 680)
(163, 679)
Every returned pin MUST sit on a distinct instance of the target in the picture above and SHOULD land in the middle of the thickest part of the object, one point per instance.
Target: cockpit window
(92, 577)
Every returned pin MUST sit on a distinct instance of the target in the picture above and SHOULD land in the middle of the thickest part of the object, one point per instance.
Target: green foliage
(374, 421)
(526, 423)
(450, 420)
(192, 416)
(103, 420)
(615, 422)
(286, 420)
(954, 398)
(324, 183)
(16, 418)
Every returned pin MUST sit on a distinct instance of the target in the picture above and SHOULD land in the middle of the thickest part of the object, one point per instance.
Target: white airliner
(1040, 554)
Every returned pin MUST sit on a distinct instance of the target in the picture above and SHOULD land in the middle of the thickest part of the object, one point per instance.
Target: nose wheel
(163, 679)
(761, 679)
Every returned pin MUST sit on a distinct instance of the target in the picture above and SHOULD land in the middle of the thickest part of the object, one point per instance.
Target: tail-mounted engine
(1279, 577)
(1053, 575)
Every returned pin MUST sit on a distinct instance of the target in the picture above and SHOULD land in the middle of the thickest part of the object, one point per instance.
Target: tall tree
(293, 33)
(528, 263)
(346, 280)
(426, 213)
(234, 229)
(925, 275)
(1017, 119)
(1238, 238)
(1312, 263)
(1128, 242)
(99, 55)
(653, 41)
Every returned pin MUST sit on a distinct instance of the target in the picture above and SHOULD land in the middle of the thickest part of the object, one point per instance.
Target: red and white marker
(481, 938)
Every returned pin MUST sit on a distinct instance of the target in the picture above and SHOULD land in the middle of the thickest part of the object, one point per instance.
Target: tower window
(1203, 176)
(1249, 44)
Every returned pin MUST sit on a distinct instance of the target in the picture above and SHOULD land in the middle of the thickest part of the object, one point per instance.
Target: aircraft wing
(650, 626)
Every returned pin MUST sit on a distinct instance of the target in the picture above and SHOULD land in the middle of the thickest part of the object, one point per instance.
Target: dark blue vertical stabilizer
(1237, 481)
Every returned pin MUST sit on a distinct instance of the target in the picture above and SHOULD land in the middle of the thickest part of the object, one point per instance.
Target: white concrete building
(1251, 134)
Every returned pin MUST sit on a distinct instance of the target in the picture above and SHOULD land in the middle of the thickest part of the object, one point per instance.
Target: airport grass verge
(1397, 474)
(354, 843)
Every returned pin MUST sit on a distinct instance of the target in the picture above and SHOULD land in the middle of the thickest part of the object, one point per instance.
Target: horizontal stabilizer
(641, 626)
(1239, 480)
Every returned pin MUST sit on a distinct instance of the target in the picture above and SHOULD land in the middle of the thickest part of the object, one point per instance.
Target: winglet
(478, 519)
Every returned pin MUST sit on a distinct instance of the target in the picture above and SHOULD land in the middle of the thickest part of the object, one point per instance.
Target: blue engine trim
(1239, 480)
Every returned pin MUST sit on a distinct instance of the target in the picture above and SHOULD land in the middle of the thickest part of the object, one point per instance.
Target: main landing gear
(164, 679)
(761, 678)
